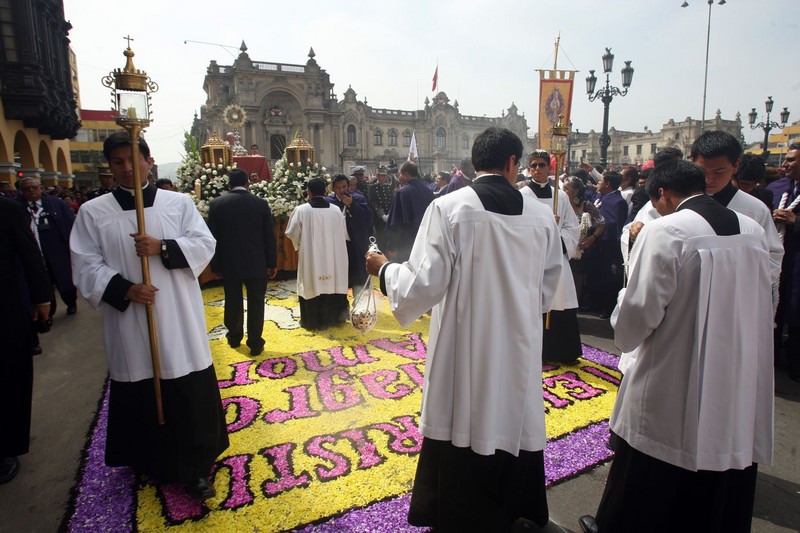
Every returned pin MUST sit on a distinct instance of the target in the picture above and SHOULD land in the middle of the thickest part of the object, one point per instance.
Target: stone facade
(281, 99)
(634, 148)
(38, 109)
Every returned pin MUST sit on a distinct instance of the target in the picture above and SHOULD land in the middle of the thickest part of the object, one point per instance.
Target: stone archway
(4, 149)
(45, 159)
(62, 164)
(23, 152)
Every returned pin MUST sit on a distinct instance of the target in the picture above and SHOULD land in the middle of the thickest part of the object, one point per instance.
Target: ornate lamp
(768, 125)
(130, 94)
(299, 151)
(215, 151)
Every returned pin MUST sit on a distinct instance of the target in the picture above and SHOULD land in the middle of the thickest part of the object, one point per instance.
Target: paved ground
(69, 378)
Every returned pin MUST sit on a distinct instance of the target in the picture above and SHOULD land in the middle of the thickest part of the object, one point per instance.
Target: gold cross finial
(129, 39)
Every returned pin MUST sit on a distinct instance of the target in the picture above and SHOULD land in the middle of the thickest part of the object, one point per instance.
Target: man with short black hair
(717, 152)
(694, 414)
(355, 209)
(481, 467)
(748, 177)
(408, 206)
(106, 263)
(318, 232)
(246, 255)
(605, 276)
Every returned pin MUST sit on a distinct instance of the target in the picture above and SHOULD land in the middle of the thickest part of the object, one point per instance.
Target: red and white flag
(435, 79)
(413, 155)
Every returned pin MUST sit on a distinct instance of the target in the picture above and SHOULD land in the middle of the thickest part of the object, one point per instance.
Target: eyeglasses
(539, 165)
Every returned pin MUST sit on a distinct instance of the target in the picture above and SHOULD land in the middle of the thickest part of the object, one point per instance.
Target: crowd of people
(504, 252)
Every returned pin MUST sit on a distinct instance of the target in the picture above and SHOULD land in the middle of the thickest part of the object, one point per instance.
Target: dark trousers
(645, 494)
(234, 310)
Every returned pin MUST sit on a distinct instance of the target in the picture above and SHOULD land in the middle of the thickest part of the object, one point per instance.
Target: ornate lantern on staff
(130, 91)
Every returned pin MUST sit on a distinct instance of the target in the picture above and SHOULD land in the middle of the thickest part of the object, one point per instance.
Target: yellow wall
(32, 150)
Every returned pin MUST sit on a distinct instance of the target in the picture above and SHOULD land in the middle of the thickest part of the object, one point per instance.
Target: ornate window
(441, 139)
(465, 142)
(378, 137)
(392, 137)
(351, 135)
(406, 138)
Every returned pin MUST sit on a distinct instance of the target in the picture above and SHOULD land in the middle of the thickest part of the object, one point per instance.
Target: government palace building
(281, 99)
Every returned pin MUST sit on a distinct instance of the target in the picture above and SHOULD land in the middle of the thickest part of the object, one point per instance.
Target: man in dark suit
(51, 222)
(19, 257)
(605, 279)
(246, 254)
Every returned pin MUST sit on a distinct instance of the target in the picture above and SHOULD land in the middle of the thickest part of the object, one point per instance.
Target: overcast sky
(487, 51)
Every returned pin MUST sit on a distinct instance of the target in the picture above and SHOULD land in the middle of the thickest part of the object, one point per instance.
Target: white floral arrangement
(202, 182)
(287, 189)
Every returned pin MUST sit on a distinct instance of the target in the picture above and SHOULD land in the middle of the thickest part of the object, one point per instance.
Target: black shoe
(9, 467)
(234, 344)
(72, 309)
(588, 524)
(36, 350)
(201, 489)
(256, 351)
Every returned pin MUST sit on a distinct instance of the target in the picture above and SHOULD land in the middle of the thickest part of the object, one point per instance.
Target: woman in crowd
(591, 226)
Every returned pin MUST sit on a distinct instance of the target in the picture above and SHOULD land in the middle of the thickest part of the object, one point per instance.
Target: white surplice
(102, 247)
(320, 235)
(489, 277)
(568, 228)
(697, 307)
(754, 208)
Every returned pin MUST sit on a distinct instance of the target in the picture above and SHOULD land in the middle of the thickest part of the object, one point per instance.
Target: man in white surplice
(488, 261)
(695, 411)
(562, 339)
(106, 266)
(318, 231)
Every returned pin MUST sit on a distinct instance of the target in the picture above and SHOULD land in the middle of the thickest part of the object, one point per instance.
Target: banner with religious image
(555, 98)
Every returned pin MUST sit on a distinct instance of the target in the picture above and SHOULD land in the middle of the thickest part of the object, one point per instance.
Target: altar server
(562, 339)
(318, 232)
(488, 260)
(106, 264)
(695, 411)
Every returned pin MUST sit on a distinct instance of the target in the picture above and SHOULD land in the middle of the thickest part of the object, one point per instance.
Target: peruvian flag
(435, 79)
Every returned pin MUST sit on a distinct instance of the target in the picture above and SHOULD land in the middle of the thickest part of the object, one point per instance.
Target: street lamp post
(705, 77)
(607, 94)
(767, 125)
(572, 139)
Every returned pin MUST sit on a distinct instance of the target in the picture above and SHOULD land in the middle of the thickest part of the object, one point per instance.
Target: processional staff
(558, 140)
(130, 90)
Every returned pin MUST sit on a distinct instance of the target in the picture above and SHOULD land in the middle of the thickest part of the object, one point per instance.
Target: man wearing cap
(360, 174)
(380, 200)
(106, 186)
